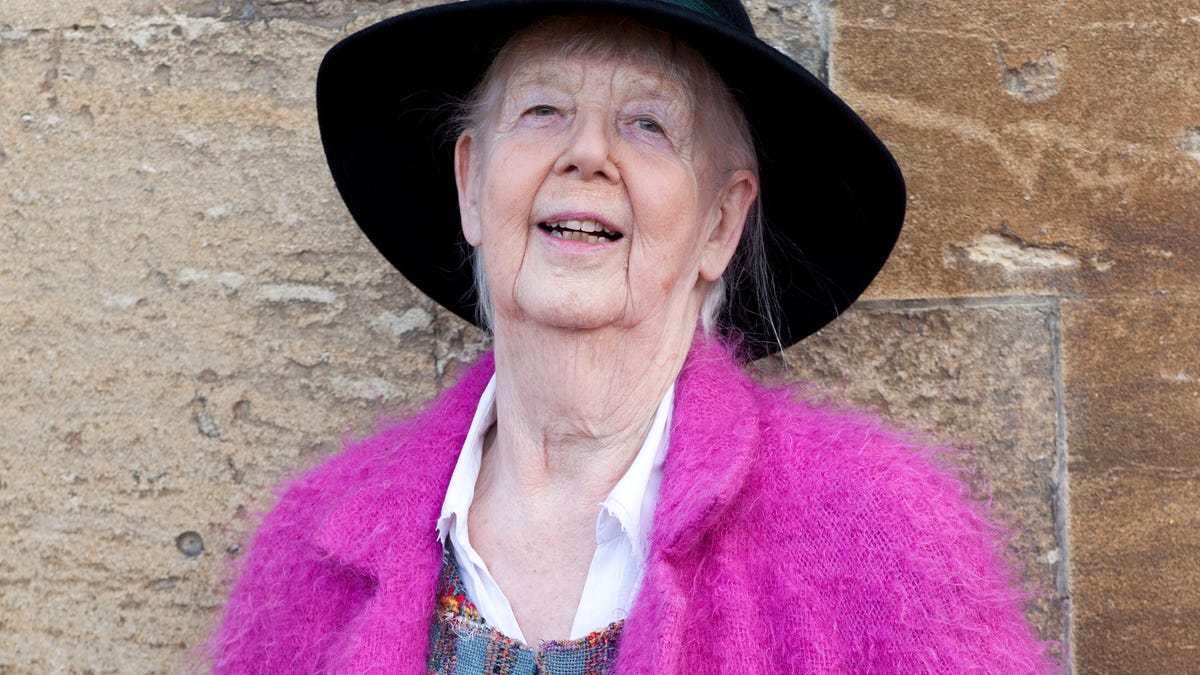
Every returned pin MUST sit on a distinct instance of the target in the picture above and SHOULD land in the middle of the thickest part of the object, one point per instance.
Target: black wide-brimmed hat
(831, 194)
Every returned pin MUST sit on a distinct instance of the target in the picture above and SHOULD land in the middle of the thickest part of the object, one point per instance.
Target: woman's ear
(733, 207)
(466, 173)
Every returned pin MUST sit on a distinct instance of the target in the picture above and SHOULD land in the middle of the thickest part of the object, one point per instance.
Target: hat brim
(832, 196)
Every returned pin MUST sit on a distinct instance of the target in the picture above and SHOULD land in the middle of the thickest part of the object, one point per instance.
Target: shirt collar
(460, 493)
(629, 508)
(633, 499)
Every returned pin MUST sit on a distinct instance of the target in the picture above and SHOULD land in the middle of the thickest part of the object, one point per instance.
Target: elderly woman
(607, 491)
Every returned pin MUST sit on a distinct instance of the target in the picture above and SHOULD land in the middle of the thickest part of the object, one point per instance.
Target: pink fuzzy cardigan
(788, 538)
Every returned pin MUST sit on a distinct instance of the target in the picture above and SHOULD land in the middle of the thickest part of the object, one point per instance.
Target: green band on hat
(696, 6)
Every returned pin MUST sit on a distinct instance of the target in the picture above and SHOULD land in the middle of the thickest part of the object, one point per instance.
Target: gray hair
(719, 121)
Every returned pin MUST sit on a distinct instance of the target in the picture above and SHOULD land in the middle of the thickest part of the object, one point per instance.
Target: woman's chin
(572, 319)
(565, 309)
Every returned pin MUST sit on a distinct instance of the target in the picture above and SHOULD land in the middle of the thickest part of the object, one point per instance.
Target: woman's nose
(588, 151)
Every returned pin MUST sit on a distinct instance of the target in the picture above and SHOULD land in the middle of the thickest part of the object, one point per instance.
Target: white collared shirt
(622, 528)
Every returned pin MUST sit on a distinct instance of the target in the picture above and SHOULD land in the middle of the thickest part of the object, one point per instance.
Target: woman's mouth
(588, 231)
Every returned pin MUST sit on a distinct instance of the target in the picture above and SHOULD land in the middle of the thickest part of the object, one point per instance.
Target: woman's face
(592, 198)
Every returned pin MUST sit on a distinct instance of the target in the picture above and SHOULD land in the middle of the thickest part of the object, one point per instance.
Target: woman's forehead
(626, 77)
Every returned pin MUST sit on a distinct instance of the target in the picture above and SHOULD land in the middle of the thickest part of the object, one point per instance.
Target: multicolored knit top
(461, 642)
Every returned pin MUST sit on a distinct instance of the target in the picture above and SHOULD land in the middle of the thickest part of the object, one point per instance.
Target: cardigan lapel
(714, 438)
(714, 435)
(396, 545)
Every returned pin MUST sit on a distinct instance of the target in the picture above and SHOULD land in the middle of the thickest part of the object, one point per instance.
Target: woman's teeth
(580, 230)
(576, 236)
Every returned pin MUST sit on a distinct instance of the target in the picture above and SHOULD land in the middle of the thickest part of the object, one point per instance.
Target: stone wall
(188, 314)
(1055, 190)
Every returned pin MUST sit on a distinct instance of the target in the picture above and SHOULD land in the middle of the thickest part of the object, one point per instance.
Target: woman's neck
(573, 409)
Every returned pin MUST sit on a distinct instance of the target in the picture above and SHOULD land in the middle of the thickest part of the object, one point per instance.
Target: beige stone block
(1134, 570)
(797, 28)
(187, 315)
(1049, 147)
(1133, 404)
(978, 375)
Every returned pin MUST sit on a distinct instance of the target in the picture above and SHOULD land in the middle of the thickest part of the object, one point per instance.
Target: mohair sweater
(788, 537)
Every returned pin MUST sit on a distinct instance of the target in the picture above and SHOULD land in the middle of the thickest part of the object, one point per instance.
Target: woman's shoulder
(801, 441)
(363, 514)
(856, 465)
(414, 450)
(802, 444)
(806, 431)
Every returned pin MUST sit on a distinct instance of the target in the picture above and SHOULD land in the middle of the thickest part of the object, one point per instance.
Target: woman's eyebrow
(655, 88)
(549, 77)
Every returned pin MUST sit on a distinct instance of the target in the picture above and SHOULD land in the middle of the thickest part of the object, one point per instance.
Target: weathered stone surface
(187, 315)
(1052, 150)
(798, 28)
(1049, 146)
(980, 375)
(1133, 411)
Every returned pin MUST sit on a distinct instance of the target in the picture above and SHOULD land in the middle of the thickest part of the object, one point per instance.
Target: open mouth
(580, 230)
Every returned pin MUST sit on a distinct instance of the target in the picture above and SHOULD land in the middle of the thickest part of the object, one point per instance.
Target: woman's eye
(542, 111)
(648, 125)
